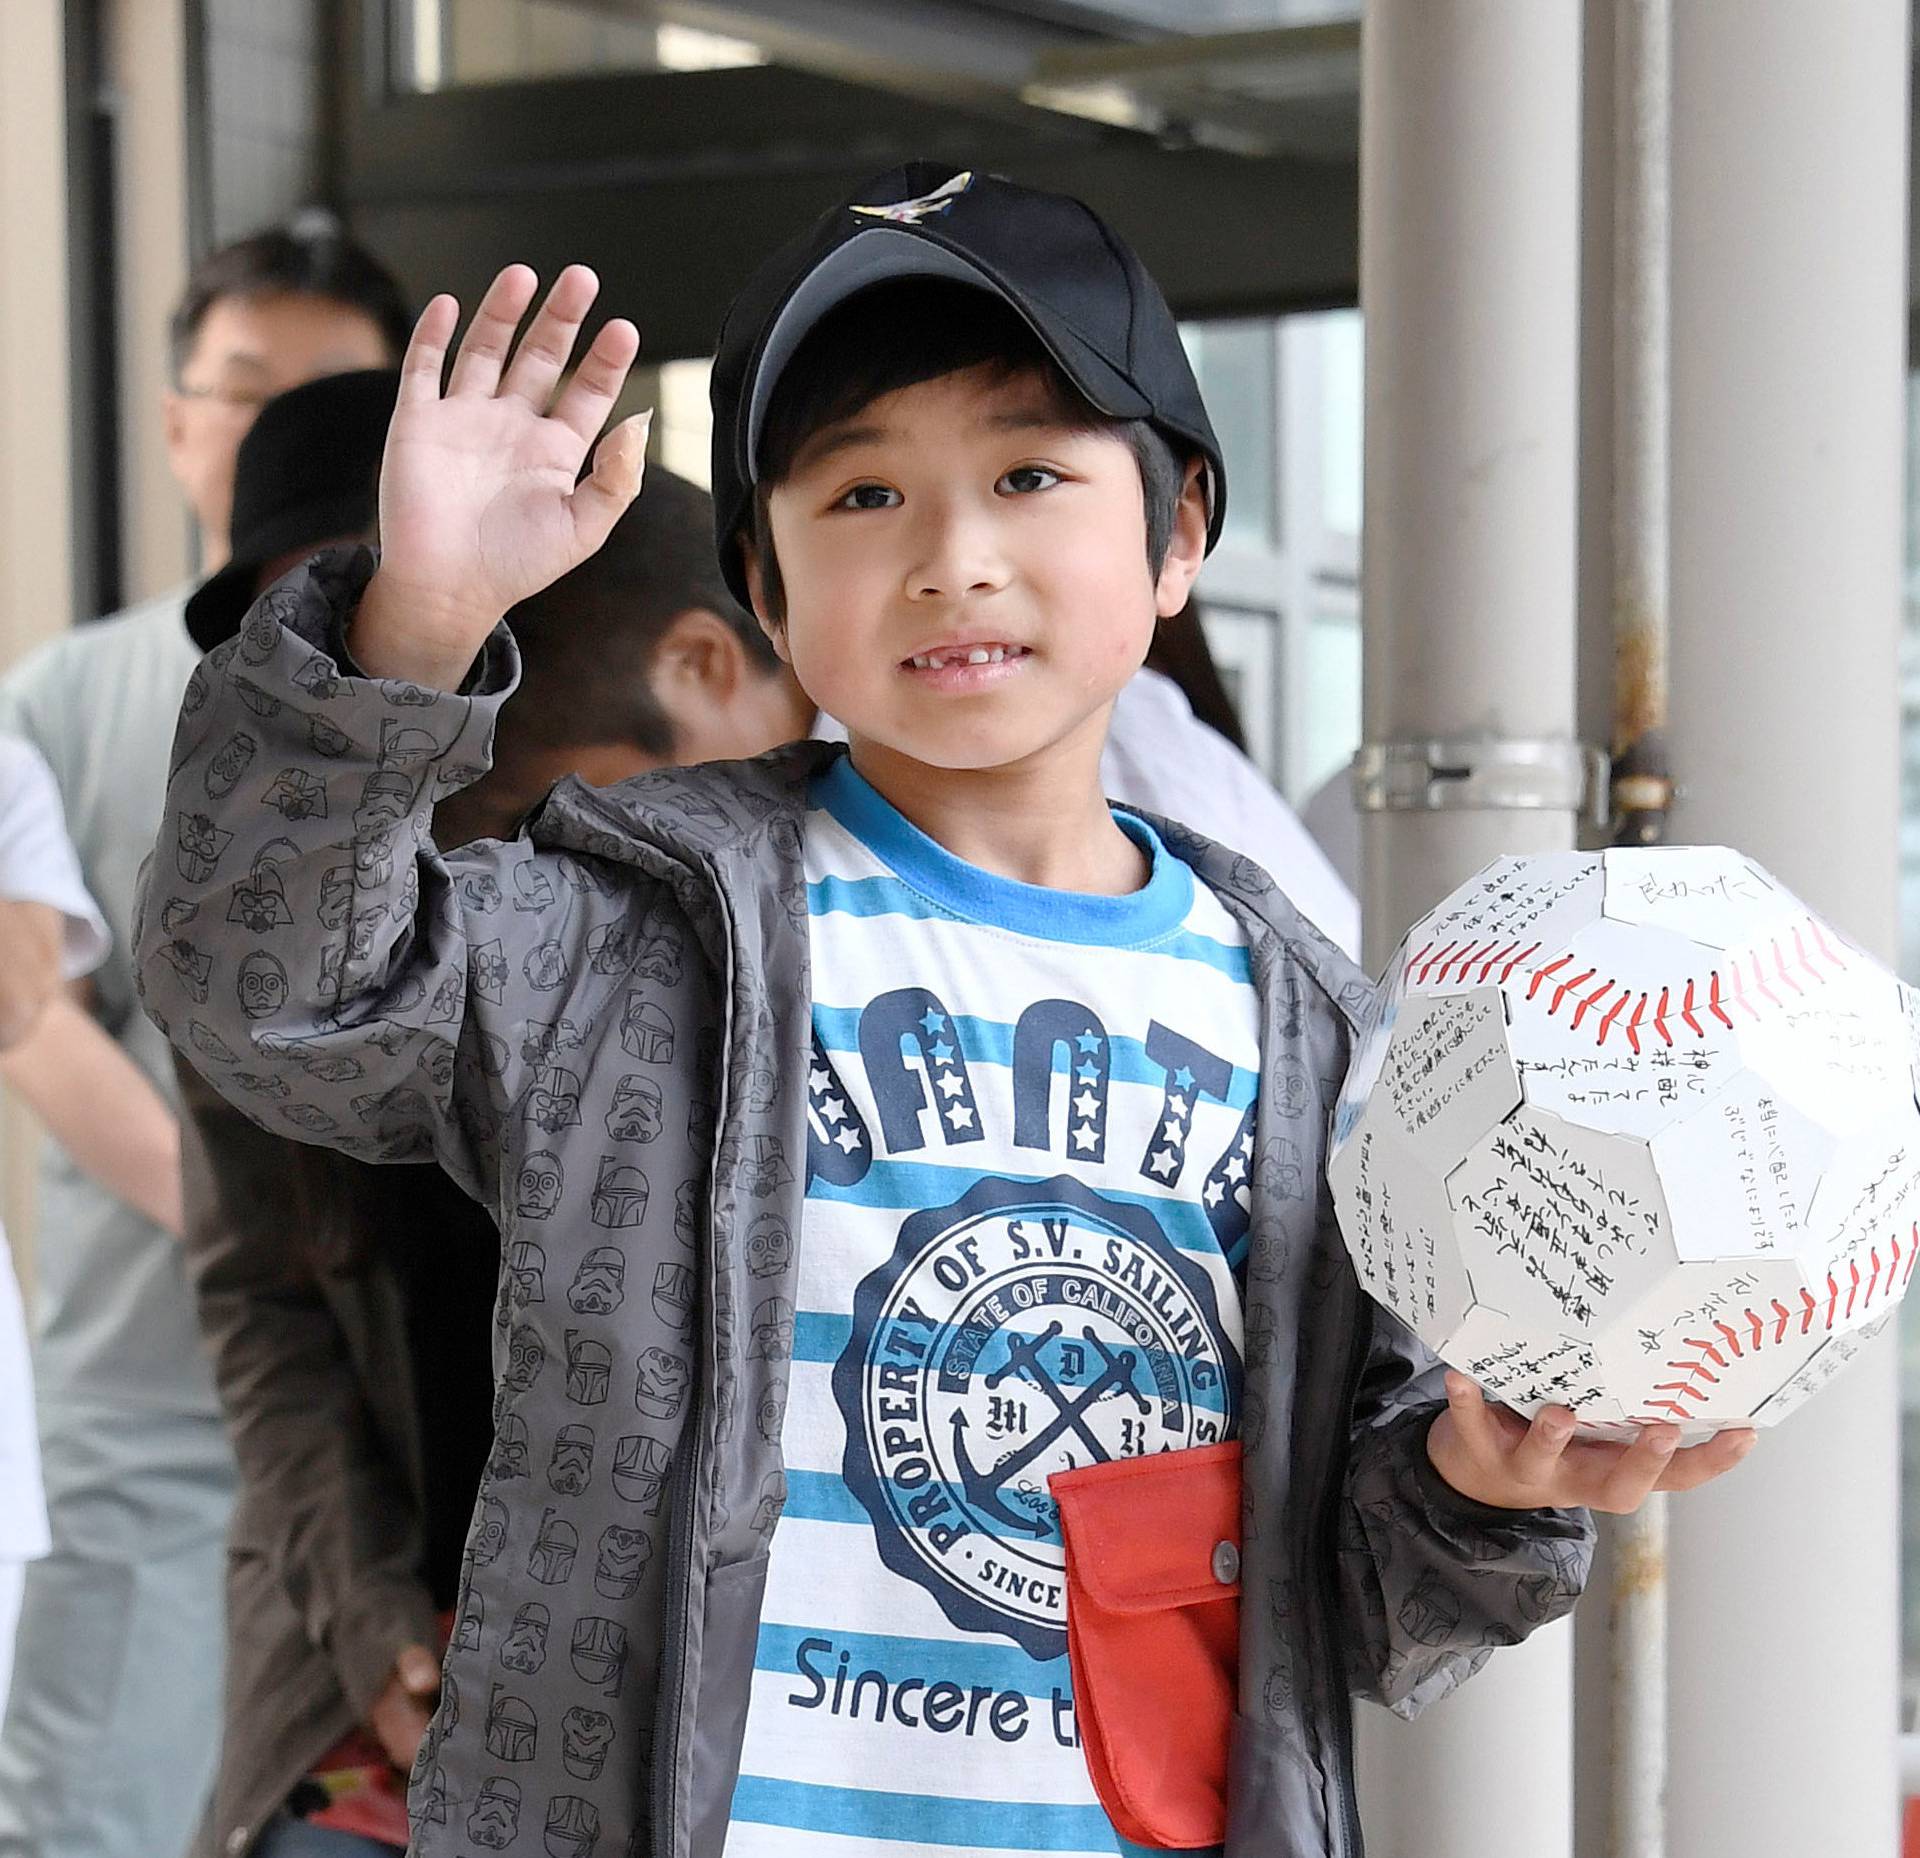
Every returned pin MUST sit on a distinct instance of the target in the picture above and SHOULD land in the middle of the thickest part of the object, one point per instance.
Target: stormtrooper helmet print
(526, 1648)
(638, 1113)
(570, 1469)
(494, 1823)
(600, 1285)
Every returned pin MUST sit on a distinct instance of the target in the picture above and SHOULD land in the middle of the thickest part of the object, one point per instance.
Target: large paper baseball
(1634, 1131)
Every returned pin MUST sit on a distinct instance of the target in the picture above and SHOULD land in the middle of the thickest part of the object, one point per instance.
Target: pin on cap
(1081, 289)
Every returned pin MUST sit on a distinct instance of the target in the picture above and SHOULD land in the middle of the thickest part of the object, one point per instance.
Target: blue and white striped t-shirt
(1031, 1124)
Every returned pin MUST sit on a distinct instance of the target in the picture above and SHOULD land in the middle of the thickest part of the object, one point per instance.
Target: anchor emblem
(1024, 1358)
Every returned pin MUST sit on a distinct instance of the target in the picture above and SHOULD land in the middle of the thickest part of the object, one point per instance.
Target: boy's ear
(1186, 547)
(757, 598)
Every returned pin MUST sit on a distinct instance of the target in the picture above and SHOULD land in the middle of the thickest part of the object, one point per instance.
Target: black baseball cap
(1075, 281)
(307, 473)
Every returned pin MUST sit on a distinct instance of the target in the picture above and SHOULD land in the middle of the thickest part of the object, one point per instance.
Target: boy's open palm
(481, 504)
(1491, 1454)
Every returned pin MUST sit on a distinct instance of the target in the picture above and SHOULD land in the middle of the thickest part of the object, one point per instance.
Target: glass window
(447, 44)
(1235, 365)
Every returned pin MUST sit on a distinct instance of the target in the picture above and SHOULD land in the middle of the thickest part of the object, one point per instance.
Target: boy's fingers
(1638, 1469)
(588, 397)
(602, 498)
(544, 350)
(426, 356)
(483, 352)
(1536, 1459)
(1689, 1469)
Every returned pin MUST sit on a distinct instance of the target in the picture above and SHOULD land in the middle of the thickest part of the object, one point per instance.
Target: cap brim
(885, 253)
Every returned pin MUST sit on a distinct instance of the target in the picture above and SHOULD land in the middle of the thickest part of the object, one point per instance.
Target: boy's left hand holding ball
(1491, 1454)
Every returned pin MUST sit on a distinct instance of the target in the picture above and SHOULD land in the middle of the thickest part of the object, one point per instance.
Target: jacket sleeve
(299, 936)
(1432, 1582)
(324, 1496)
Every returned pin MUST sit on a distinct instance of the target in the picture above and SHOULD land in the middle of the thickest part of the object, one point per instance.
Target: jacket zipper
(666, 1735)
(1348, 1841)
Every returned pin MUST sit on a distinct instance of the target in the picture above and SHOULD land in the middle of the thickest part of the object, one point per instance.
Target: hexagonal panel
(1559, 1227)
(1399, 1228)
(1739, 1172)
(1715, 895)
(1448, 1076)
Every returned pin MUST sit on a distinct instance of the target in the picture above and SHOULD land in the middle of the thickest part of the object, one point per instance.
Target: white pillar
(1469, 277)
(1789, 298)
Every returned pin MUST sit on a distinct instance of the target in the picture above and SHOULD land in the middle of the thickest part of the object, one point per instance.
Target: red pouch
(1153, 1635)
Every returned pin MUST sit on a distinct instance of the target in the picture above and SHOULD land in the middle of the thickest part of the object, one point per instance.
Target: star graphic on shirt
(1171, 1133)
(961, 1116)
(1164, 1163)
(941, 1052)
(1084, 1138)
(819, 1077)
(951, 1085)
(1184, 1078)
(931, 1022)
(1088, 1041)
(832, 1109)
(1236, 1168)
(1087, 1104)
(1213, 1193)
(1246, 1145)
(1178, 1106)
(848, 1139)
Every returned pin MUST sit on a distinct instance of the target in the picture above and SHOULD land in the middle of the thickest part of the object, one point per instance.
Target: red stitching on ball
(1540, 976)
(1780, 967)
(1588, 1000)
(1786, 1316)
(1506, 973)
(1733, 1341)
(1713, 999)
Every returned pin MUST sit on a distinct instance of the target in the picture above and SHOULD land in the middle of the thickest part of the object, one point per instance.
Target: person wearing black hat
(942, 1147)
(307, 474)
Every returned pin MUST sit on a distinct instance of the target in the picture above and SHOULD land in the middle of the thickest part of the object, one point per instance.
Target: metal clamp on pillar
(1483, 773)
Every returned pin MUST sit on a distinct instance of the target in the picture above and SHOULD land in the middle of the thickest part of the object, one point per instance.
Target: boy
(882, 1142)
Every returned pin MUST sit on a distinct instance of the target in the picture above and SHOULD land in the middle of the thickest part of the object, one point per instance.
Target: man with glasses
(108, 1743)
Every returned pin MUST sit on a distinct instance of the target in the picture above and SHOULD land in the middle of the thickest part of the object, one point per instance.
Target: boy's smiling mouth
(974, 655)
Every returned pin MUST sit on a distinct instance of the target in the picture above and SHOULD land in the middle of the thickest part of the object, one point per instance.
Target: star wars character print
(1031, 1120)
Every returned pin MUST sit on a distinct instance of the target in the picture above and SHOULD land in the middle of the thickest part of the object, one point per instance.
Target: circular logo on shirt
(1026, 1329)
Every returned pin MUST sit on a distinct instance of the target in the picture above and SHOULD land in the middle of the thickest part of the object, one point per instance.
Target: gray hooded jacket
(601, 1030)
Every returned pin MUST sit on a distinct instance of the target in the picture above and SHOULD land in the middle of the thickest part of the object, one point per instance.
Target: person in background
(353, 1357)
(77, 1079)
(108, 1742)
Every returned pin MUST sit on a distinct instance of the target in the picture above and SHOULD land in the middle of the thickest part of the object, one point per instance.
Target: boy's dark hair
(310, 256)
(587, 642)
(900, 334)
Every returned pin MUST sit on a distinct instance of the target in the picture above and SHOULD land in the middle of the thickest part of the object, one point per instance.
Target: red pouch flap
(1143, 1533)
(1153, 1629)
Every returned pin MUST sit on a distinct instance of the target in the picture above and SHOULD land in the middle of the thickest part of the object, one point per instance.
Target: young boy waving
(897, 1151)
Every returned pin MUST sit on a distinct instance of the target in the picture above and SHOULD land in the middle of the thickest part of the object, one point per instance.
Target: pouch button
(1226, 1563)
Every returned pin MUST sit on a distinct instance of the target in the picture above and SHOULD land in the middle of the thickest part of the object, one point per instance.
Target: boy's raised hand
(479, 504)
(1491, 1454)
